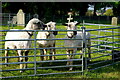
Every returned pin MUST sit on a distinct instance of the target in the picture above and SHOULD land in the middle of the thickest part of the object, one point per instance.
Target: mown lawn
(106, 72)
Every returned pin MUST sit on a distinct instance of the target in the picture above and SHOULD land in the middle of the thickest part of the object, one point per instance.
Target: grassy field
(106, 72)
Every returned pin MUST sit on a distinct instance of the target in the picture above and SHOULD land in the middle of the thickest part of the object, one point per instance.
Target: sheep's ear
(55, 23)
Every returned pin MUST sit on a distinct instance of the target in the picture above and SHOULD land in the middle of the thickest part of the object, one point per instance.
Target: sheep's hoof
(54, 58)
(41, 64)
(50, 63)
(68, 64)
(6, 65)
(21, 71)
(89, 60)
(70, 69)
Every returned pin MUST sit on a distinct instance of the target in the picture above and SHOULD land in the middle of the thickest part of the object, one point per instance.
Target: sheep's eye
(49, 26)
(69, 25)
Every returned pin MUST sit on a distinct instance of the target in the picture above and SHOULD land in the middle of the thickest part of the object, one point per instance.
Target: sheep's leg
(6, 54)
(42, 53)
(18, 57)
(89, 48)
(45, 53)
(71, 62)
(20, 53)
(54, 52)
(80, 52)
(68, 57)
(51, 52)
(89, 52)
(71, 57)
(26, 58)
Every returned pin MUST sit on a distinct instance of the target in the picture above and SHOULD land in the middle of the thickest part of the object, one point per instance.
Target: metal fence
(104, 41)
(7, 19)
(10, 19)
(35, 57)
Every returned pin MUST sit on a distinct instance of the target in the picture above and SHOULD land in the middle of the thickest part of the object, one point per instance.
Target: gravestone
(114, 21)
(14, 20)
(20, 18)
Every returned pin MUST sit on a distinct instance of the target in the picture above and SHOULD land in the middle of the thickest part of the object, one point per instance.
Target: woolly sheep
(33, 24)
(75, 43)
(47, 43)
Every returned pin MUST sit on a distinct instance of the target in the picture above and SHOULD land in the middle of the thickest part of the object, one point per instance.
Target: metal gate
(34, 64)
(105, 46)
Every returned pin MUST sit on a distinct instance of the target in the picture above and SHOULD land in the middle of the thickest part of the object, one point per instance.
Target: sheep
(33, 24)
(47, 43)
(75, 43)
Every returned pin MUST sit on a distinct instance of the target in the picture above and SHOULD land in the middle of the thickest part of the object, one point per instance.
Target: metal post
(83, 22)
(105, 40)
(9, 22)
(29, 17)
(84, 57)
(35, 68)
(113, 44)
(98, 39)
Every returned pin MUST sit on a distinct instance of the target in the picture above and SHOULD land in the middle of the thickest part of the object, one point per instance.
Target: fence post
(84, 57)
(99, 38)
(35, 67)
(113, 59)
(9, 22)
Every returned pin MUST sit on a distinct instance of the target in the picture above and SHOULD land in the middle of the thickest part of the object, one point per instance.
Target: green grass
(106, 72)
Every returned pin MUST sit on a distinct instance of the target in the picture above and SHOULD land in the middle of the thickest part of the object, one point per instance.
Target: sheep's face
(36, 24)
(71, 26)
(51, 26)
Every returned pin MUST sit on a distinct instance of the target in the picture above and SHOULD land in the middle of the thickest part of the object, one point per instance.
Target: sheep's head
(35, 24)
(51, 26)
(71, 26)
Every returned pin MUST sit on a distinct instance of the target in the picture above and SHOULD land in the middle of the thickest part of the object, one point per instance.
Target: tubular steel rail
(83, 62)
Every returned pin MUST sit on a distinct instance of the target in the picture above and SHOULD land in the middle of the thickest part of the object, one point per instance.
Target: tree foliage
(45, 9)
(109, 12)
(116, 8)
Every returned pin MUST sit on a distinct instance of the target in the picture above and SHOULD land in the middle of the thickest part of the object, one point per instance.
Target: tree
(99, 5)
(109, 12)
(116, 8)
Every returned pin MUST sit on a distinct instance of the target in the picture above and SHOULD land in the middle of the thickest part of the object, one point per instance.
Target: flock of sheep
(36, 24)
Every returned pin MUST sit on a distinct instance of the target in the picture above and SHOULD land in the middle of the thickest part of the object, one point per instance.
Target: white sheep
(75, 43)
(47, 43)
(33, 24)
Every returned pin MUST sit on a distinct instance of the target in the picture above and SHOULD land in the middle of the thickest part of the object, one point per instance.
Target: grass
(106, 72)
